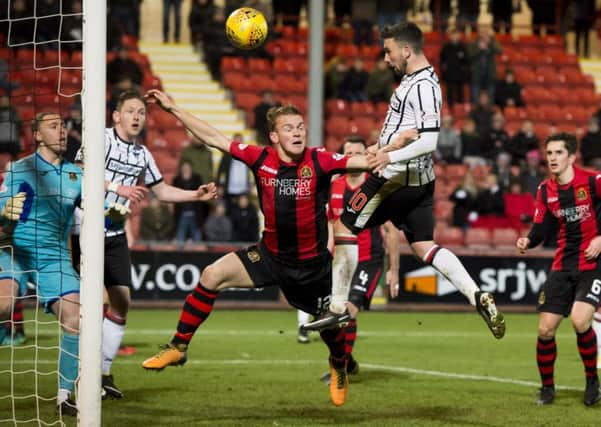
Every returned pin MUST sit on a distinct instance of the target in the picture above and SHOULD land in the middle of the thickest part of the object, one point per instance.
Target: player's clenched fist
(522, 244)
(14, 207)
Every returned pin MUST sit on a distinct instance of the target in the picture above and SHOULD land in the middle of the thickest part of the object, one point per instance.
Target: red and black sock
(197, 308)
(587, 347)
(335, 340)
(17, 318)
(546, 353)
(350, 334)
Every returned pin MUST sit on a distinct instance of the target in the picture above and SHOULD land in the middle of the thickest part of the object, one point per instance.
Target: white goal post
(92, 229)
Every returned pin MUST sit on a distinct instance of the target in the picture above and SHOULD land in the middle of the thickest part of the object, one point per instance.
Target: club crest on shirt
(581, 194)
(254, 256)
(541, 298)
(72, 176)
(306, 172)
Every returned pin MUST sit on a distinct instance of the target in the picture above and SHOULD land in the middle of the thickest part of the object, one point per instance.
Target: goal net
(46, 67)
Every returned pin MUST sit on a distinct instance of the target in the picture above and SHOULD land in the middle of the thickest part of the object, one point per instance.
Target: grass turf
(246, 369)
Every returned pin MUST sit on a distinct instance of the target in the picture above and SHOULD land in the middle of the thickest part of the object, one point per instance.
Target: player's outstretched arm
(171, 194)
(201, 129)
(425, 144)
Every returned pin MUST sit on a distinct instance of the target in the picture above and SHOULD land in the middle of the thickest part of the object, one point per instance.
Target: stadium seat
(260, 65)
(233, 63)
(363, 109)
(237, 81)
(299, 65)
(337, 107)
(333, 144)
(338, 127)
(456, 172)
(461, 111)
(363, 126)
(155, 140)
(504, 238)
(177, 139)
(347, 50)
(151, 81)
(443, 210)
(74, 60)
(448, 236)
(477, 238)
(369, 53)
(300, 101)
(247, 100)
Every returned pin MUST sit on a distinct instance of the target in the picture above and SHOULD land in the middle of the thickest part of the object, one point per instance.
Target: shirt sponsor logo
(574, 213)
(299, 188)
(119, 167)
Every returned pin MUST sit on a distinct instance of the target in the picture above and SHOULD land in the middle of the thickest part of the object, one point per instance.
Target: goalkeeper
(40, 194)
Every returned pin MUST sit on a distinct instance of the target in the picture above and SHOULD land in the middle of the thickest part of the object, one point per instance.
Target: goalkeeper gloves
(14, 206)
(116, 213)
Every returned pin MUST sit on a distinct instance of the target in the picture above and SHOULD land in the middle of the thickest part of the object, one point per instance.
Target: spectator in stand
(127, 14)
(467, 14)
(48, 22)
(448, 149)
(122, 85)
(335, 72)
(532, 172)
(483, 65)
(10, 128)
(497, 140)
(122, 67)
(287, 11)
(464, 197)
(590, 145)
(168, 6)
(454, 66)
(353, 86)
(392, 12)
(73, 124)
(218, 226)
(584, 18)
(200, 157)
(470, 144)
(543, 15)
(5, 83)
(263, 6)
(72, 27)
(114, 31)
(260, 112)
(524, 141)
(22, 23)
(219, 46)
(233, 176)
(441, 12)
(201, 15)
(519, 205)
(489, 200)
(156, 221)
(502, 12)
(508, 92)
(245, 220)
(364, 15)
(189, 216)
(482, 114)
(380, 82)
(502, 170)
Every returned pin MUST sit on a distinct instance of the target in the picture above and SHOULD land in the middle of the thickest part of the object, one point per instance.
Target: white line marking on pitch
(386, 368)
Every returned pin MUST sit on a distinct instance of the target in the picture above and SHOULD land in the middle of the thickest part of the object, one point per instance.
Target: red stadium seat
(362, 109)
(233, 63)
(247, 100)
(443, 210)
(177, 139)
(363, 126)
(333, 144)
(338, 107)
(260, 65)
(504, 237)
(338, 127)
(448, 236)
(477, 238)
(347, 50)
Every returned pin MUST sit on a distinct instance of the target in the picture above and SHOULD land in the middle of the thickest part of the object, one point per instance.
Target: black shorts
(117, 261)
(305, 286)
(379, 200)
(366, 278)
(563, 288)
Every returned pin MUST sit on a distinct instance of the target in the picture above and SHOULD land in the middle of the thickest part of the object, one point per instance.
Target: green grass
(246, 369)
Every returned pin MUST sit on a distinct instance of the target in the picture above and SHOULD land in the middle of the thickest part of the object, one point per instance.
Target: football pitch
(245, 368)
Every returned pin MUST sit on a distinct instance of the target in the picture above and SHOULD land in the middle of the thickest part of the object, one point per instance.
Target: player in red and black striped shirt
(293, 183)
(370, 243)
(569, 201)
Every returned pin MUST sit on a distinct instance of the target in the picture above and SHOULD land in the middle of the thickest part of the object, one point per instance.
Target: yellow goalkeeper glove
(14, 207)
(116, 212)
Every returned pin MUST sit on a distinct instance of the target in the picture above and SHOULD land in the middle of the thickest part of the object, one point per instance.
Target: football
(246, 28)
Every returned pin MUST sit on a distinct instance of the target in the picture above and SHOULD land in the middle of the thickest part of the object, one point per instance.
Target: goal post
(92, 227)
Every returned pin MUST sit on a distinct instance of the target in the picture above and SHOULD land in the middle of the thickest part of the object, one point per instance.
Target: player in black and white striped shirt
(402, 187)
(126, 163)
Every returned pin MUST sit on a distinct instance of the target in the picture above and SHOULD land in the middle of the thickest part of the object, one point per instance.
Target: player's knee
(546, 331)
(211, 277)
(581, 323)
(70, 324)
